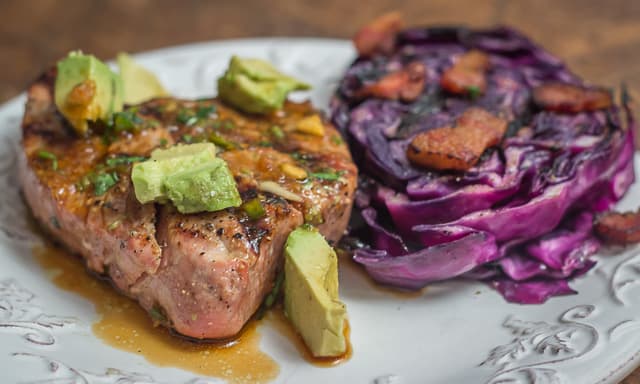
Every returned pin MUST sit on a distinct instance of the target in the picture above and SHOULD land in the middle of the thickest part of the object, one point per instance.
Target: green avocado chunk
(255, 86)
(207, 187)
(311, 300)
(190, 176)
(140, 84)
(148, 177)
(86, 90)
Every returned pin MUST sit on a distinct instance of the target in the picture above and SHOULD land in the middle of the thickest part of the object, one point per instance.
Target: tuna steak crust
(203, 275)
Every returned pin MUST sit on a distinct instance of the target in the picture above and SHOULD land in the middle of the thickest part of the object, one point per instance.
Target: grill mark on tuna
(254, 235)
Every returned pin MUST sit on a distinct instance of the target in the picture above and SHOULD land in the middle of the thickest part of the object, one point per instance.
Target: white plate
(456, 332)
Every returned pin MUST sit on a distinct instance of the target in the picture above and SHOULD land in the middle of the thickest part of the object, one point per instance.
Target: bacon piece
(406, 84)
(482, 120)
(467, 75)
(619, 228)
(570, 98)
(379, 36)
(457, 148)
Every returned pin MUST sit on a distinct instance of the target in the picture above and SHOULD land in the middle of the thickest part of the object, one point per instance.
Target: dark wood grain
(600, 40)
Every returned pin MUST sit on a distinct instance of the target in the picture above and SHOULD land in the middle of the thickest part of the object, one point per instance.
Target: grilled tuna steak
(204, 274)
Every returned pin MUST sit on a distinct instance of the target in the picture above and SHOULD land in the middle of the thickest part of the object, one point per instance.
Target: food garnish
(255, 86)
(190, 176)
(220, 141)
(103, 181)
(86, 90)
(49, 156)
(254, 208)
(208, 187)
(326, 174)
(311, 300)
(125, 121)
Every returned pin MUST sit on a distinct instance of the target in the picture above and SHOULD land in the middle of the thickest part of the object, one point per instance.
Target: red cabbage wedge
(520, 215)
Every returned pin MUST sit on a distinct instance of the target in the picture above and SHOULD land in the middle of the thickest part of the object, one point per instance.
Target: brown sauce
(278, 320)
(124, 325)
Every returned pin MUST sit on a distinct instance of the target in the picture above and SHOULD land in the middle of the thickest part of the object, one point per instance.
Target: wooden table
(600, 40)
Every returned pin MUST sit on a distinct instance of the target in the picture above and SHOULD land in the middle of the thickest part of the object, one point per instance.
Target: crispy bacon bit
(406, 84)
(467, 75)
(483, 121)
(457, 148)
(379, 36)
(570, 98)
(619, 228)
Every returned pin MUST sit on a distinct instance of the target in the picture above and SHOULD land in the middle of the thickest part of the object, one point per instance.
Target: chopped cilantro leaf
(185, 117)
(157, 314)
(103, 181)
(473, 91)
(330, 175)
(126, 121)
(277, 132)
(83, 183)
(273, 295)
(187, 139)
(152, 123)
(271, 298)
(337, 140)
(300, 157)
(205, 112)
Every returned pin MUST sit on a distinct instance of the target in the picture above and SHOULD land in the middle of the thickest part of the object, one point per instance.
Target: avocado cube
(207, 187)
(311, 300)
(255, 86)
(86, 90)
(148, 177)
